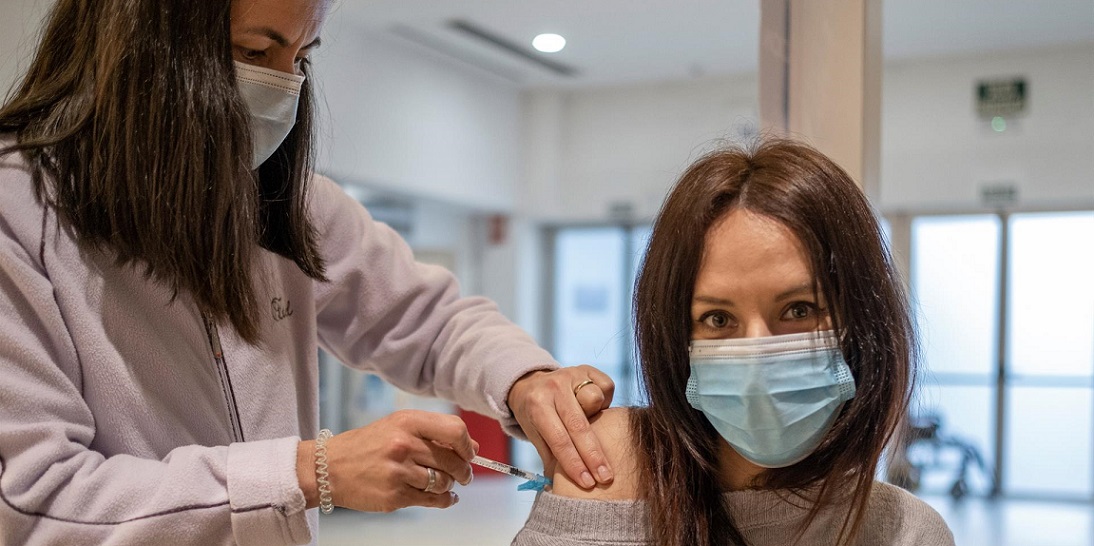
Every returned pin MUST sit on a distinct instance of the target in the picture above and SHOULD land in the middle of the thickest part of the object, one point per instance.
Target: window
(1050, 355)
(593, 285)
(1038, 415)
(955, 260)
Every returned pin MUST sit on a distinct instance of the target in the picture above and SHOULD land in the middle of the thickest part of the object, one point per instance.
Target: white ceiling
(621, 41)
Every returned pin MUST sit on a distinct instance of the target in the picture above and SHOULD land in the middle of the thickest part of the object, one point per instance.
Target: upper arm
(612, 427)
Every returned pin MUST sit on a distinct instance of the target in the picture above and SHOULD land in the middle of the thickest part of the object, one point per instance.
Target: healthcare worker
(169, 265)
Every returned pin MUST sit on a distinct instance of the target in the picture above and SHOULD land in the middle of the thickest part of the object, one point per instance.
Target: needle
(537, 481)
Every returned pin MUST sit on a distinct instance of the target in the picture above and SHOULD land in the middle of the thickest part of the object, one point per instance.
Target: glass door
(955, 287)
(1049, 434)
(1005, 307)
(594, 274)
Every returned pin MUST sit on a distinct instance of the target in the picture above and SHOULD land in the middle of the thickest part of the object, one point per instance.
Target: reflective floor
(491, 511)
(979, 522)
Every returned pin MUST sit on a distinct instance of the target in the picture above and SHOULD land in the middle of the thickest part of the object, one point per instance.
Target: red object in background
(499, 231)
(493, 443)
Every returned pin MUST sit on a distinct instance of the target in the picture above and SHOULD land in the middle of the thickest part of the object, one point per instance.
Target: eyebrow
(806, 288)
(280, 38)
(713, 301)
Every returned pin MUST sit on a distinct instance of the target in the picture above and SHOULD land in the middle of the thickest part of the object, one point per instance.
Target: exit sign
(1001, 98)
(998, 194)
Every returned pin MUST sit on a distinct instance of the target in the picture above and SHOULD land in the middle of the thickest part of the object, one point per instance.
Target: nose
(757, 328)
(285, 63)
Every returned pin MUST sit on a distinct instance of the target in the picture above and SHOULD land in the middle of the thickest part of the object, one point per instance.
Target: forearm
(208, 495)
(386, 313)
(480, 357)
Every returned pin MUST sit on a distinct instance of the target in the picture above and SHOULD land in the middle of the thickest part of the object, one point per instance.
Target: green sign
(1000, 98)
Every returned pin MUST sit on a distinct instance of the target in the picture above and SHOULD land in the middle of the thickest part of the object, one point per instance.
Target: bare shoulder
(612, 427)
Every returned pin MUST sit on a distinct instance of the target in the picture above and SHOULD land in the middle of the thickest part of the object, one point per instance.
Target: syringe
(535, 481)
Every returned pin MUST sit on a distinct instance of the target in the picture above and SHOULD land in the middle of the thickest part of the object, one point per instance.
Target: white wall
(937, 153)
(586, 150)
(19, 23)
(403, 120)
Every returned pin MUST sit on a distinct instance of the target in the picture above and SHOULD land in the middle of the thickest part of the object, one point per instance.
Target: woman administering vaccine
(169, 265)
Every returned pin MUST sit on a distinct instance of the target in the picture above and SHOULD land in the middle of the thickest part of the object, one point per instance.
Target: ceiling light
(549, 43)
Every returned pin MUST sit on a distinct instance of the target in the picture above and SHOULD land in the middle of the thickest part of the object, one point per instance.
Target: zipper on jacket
(225, 378)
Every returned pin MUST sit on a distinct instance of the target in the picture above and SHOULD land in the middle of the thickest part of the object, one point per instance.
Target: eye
(250, 54)
(716, 320)
(800, 310)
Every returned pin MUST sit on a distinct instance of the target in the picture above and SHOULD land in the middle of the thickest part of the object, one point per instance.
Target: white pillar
(820, 79)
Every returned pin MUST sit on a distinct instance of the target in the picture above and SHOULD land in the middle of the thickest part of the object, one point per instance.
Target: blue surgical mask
(272, 99)
(772, 398)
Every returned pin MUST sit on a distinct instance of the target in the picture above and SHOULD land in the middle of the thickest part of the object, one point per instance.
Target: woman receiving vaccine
(777, 351)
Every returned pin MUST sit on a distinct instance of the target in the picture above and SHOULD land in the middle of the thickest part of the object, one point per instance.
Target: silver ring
(432, 480)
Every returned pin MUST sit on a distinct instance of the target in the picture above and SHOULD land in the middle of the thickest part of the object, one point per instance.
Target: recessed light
(549, 43)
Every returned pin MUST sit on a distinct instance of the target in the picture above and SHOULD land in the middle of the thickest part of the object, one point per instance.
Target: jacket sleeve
(55, 488)
(385, 313)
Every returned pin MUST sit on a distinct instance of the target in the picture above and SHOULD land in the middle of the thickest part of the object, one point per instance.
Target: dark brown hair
(132, 125)
(803, 190)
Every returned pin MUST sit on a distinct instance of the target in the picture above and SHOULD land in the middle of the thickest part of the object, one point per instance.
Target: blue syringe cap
(538, 484)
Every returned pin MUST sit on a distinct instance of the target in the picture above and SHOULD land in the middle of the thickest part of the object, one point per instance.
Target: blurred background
(534, 177)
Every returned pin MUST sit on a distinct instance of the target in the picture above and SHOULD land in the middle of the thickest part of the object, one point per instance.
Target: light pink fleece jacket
(115, 421)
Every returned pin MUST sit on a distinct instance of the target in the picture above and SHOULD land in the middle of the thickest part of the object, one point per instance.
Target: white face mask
(272, 99)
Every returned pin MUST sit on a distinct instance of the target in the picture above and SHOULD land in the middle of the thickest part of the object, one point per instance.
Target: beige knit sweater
(894, 517)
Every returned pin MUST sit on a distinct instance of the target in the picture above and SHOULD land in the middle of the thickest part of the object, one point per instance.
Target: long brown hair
(803, 190)
(133, 128)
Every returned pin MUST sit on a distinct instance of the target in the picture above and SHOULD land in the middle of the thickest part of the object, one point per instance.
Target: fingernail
(605, 474)
(455, 498)
(587, 480)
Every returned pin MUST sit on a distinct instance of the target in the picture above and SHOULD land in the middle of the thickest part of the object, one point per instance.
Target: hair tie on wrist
(326, 505)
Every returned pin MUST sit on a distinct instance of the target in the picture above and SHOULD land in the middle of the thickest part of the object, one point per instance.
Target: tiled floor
(491, 511)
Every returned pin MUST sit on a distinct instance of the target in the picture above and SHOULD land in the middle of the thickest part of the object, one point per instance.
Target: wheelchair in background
(926, 448)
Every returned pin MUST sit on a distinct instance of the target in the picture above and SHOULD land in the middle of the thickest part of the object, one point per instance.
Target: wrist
(322, 472)
(305, 472)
